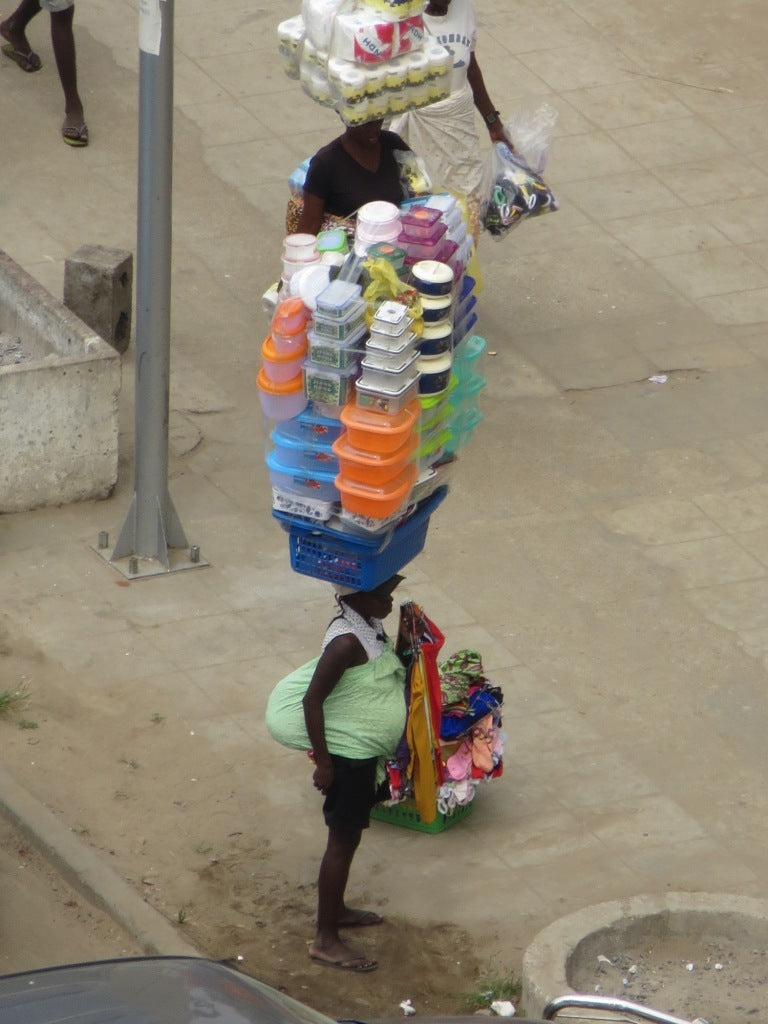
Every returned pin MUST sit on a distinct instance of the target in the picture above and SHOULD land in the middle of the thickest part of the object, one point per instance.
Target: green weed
(494, 984)
(13, 701)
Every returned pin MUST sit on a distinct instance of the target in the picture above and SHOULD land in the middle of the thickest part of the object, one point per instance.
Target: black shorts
(352, 794)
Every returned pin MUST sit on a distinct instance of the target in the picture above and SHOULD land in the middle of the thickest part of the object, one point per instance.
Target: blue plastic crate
(353, 561)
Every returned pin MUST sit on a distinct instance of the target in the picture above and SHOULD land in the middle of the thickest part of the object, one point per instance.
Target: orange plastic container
(281, 367)
(382, 432)
(374, 468)
(281, 401)
(377, 502)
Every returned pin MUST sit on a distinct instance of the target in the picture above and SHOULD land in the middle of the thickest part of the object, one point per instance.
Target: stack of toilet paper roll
(366, 58)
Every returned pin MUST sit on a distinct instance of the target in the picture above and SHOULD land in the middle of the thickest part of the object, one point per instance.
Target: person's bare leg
(14, 30)
(331, 886)
(63, 41)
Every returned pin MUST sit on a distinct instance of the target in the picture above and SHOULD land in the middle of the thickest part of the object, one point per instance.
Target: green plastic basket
(406, 815)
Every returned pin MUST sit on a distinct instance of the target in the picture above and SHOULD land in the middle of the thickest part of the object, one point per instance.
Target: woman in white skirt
(444, 134)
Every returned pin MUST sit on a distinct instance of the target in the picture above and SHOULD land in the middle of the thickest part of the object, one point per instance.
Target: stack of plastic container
(280, 382)
(299, 252)
(377, 223)
(336, 342)
(464, 317)
(302, 466)
(377, 464)
(390, 377)
(464, 415)
(423, 235)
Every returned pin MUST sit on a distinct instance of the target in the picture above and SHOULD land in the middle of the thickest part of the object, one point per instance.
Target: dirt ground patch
(722, 981)
(178, 817)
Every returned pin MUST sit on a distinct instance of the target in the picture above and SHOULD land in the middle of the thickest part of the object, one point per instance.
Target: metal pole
(152, 525)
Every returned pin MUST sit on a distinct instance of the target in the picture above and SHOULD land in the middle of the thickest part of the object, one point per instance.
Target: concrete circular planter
(606, 928)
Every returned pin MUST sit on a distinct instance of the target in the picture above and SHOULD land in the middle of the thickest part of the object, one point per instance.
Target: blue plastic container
(301, 454)
(311, 426)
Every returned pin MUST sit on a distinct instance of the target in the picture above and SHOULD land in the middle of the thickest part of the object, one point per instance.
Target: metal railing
(629, 1012)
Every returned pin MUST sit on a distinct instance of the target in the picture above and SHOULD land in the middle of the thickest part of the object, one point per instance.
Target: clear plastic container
(465, 307)
(421, 220)
(375, 374)
(391, 319)
(332, 240)
(331, 387)
(416, 251)
(384, 345)
(310, 483)
(339, 354)
(463, 427)
(281, 401)
(466, 354)
(303, 454)
(467, 390)
(302, 506)
(373, 468)
(461, 331)
(374, 431)
(430, 478)
(424, 233)
(290, 316)
(387, 251)
(285, 344)
(340, 328)
(377, 502)
(300, 247)
(310, 427)
(281, 366)
(335, 301)
(386, 401)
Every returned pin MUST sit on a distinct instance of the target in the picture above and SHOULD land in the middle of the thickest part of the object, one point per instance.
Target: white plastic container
(300, 247)
(435, 372)
(377, 374)
(383, 345)
(387, 401)
(318, 509)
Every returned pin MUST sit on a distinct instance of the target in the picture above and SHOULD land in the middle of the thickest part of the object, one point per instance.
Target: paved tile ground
(605, 543)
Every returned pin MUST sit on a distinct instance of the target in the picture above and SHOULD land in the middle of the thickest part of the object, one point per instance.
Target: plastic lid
(307, 283)
(271, 387)
(338, 296)
(378, 212)
(433, 271)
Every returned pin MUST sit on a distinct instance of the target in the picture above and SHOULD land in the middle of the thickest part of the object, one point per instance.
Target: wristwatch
(493, 117)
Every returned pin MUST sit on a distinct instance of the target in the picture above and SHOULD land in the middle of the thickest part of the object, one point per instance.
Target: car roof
(146, 990)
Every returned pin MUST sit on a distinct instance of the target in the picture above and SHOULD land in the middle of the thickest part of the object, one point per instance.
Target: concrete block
(59, 388)
(98, 284)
